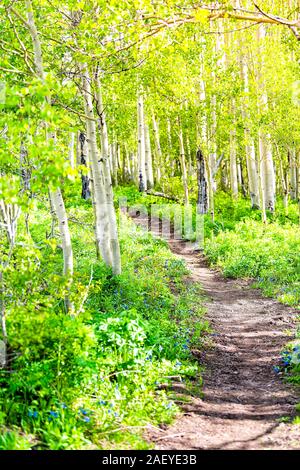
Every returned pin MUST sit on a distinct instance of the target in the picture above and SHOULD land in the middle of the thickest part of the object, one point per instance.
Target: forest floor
(245, 404)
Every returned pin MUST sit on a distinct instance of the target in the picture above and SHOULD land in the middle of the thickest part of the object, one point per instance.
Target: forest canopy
(155, 107)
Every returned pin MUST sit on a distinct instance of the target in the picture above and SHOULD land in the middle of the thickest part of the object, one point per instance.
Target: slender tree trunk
(213, 142)
(183, 165)
(267, 173)
(102, 231)
(233, 162)
(158, 147)
(261, 178)
(85, 180)
(148, 159)
(72, 150)
(293, 174)
(170, 160)
(141, 144)
(60, 211)
(202, 199)
(284, 182)
(113, 226)
(4, 340)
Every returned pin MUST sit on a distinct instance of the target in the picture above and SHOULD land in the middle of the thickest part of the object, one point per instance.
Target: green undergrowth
(93, 380)
(242, 247)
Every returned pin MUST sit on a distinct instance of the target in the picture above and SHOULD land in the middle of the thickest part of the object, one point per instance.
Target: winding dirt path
(244, 400)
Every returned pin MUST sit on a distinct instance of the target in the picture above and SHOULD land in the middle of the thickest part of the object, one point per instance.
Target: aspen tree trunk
(102, 230)
(188, 147)
(170, 153)
(158, 147)
(85, 180)
(293, 174)
(183, 165)
(72, 150)
(202, 199)
(113, 226)
(241, 180)
(203, 138)
(9, 214)
(60, 211)
(233, 162)
(267, 173)
(213, 142)
(189, 155)
(141, 144)
(113, 163)
(111, 157)
(213, 131)
(129, 170)
(284, 182)
(4, 341)
(261, 178)
(57, 200)
(148, 159)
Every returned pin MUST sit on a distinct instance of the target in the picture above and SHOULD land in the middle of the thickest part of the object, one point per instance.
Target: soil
(245, 404)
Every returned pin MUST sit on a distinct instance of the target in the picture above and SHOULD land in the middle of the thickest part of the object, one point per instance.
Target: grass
(93, 381)
(242, 247)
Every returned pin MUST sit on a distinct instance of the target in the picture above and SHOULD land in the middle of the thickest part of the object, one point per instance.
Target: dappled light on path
(245, 403)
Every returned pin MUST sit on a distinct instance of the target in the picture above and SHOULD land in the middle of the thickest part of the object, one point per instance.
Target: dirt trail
(244, 399)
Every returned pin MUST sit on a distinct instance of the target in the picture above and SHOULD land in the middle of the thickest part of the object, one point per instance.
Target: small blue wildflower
(102, 402)
(116, 414)
(83, 411)
(63, 406)
(185, 346)
(109, 411)
(178, 364)
(276, 369)
(86, 419)
(169, 405)
(32, 414)
(54, 414)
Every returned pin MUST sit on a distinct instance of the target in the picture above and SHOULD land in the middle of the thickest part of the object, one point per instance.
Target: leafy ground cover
(242, 247)
(93, 380)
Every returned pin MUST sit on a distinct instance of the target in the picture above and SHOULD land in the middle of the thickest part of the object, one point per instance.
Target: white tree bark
(59, 208)
(249, 141)
(183, 165)
(61, 214)
(267, 171)
(72, 149)
(148, 159)
(102, 230)
(157, 146)
(293, 174)
(233, 162)
(113, 226)
(141, 143)
(170, 159)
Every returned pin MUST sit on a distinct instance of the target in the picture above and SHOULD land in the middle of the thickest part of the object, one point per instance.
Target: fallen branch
(164, 196)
